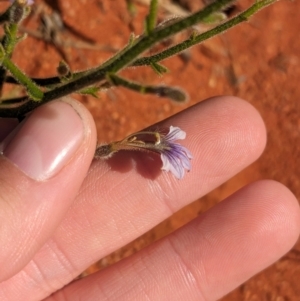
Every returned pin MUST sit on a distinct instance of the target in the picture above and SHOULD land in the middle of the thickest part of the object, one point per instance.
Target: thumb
(44, 162)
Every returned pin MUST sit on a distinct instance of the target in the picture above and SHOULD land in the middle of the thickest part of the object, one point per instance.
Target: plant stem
(152, 17)
(162, 33)
(34, 91)
(8, 43)
(118, 62)
(196, 39)
(173, 93)
(134, 51)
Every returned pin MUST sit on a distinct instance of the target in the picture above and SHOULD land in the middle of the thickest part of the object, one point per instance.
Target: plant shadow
(148, 165)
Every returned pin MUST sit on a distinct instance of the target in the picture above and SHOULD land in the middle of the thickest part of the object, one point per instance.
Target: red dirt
(258, 61)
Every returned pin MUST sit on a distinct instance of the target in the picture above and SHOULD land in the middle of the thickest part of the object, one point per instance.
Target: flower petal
(174, 156)
(171, 164)
(175, 133)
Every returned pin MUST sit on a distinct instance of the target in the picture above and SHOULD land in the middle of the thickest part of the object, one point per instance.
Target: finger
(207, 258)
(44, 163)
(117, 203)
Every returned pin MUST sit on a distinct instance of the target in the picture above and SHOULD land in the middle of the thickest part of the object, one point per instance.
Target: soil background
(257, 61)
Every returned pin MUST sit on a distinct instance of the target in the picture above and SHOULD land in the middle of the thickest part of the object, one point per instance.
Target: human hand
(56, 220)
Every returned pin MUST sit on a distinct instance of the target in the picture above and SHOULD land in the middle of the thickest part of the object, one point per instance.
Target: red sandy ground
(258, 61)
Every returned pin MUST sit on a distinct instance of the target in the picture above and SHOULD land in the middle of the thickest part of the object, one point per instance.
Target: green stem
(142, 44)
(196, 39)
(134, 51)
(13, 15)
(173, 93)
(8, 44)
(152, 17)
(117, 56)
(10, 38)
(162, 33)
(33, 90)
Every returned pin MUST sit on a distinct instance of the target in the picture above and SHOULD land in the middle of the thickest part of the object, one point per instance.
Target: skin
(51, 230)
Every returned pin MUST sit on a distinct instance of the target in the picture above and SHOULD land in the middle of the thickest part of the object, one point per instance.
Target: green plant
(42, 90)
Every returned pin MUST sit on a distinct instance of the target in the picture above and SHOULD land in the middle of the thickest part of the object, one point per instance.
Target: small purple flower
(175, 157)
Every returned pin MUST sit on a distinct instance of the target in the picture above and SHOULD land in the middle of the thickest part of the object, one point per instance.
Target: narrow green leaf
(90, 91)
(151, 19)
(159, 69)
(33, 90)
(215, 18)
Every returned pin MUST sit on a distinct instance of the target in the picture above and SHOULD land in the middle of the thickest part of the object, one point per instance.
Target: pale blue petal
(175, 157)
(174, 134)
(170, 164)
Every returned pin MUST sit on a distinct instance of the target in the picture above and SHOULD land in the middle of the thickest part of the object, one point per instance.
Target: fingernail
(46, 141)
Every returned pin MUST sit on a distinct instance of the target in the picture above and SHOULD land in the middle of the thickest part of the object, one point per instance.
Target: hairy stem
(173, 93)
(134, 51)
(34, 91)
(196, 39)
(152, 17)
(142, 44)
